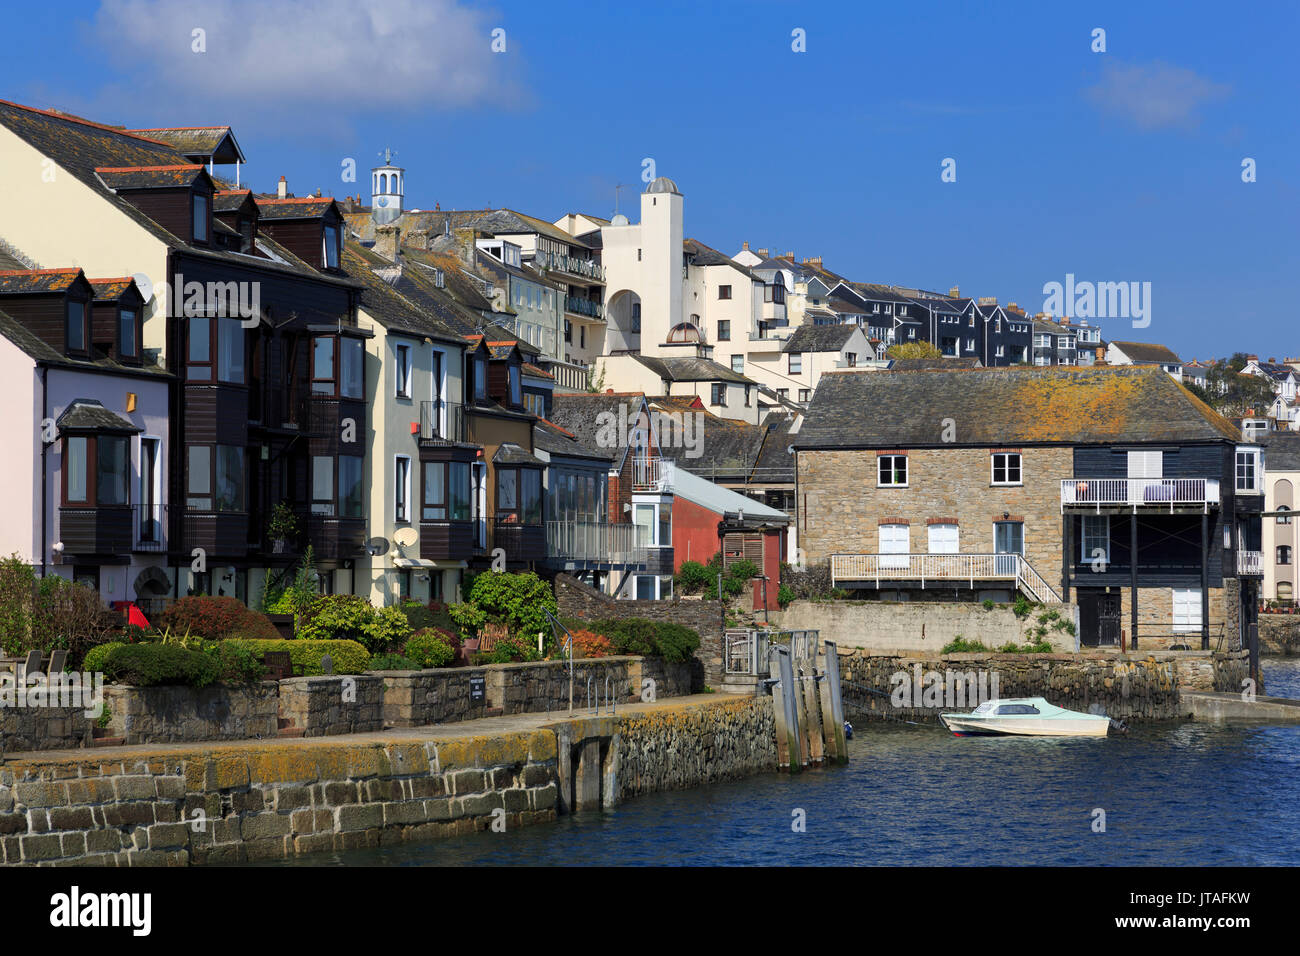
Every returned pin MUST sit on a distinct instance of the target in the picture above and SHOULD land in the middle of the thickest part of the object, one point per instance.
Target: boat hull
(962, 725)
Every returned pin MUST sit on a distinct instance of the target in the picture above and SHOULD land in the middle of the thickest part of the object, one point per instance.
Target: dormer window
(480, 378)
(201, 213)
(128, 327)
(516, 393)
(331, 254)
(77, 335)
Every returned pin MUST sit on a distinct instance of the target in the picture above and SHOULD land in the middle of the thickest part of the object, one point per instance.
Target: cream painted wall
(20, 479)
(52, 217)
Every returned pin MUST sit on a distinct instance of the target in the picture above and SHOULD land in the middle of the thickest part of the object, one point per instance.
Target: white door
(943, 539)
(894, 541)
(1187, 610)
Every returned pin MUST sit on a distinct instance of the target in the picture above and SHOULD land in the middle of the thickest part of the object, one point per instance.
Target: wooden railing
(927, 568)
(1140, 492)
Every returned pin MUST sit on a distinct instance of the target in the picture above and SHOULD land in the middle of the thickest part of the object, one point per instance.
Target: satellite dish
(144, 284)
(405, 537)
(377, 546)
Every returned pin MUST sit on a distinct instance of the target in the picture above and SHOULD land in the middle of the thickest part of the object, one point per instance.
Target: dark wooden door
(1108, 619)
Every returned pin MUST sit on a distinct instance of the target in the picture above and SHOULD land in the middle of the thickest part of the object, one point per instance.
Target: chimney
(1271, 360)
(744, 247)
(790, 256)
(763, 253)
(282, 189)
(1013, 307)
(954, 293)
(988, 300)
(1252, 358)
(318, 192)
(387, 241)
(813, 261)
(418, 238)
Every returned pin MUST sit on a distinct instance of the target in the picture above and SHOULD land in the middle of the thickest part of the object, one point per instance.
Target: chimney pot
(954, 293)
(282, 189)
(744, 247)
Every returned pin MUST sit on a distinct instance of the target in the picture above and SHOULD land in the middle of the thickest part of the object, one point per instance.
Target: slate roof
(307, 207)
(702, 255)
(1148, 352)
(149, 177)
(819, 338)
(37, 280)
(110, 288)
(456, 282)
(1275, 370)
(917, 364)
(535, 372)
(388, 306)
(579, 412)
(89, 414)
(553, 440)
(1007, 406)
(229, 200)
(511, 454)
(79, 146)
(192, 140)
(1282, 451)
(690, 369)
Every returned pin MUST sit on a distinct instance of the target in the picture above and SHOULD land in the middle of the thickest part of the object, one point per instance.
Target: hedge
(647, 638)
(95, 657)
(150, 665)
(349, 657)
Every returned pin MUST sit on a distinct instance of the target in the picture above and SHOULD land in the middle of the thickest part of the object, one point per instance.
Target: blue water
(1175, 793)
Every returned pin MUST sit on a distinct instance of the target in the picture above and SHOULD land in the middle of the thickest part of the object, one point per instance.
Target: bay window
(96, 470)
(519, 496)
(214, 478)
(322, 365)
(230, 350)
(350, 486)
(446, 491)
(352, 357)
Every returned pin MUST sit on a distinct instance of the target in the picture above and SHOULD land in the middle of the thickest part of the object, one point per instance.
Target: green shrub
(784, 594)
(646, 638)
(348, 617)
(515, 600)
(508, 650)
(151, 665)
(692, 578)
(392, 662)
(95, 657)
(429, 648)
(988, 604)
(1022, 606)
(349, 657)
(675, 643)
(237, 664)
(960, 645)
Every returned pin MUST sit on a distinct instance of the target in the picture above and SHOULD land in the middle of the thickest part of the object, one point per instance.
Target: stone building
(1043, 481)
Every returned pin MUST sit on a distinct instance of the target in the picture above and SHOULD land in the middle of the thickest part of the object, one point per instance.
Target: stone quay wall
(260, 800)
(45, 728)
(582, 601)
(326, 706)
(1279, 633)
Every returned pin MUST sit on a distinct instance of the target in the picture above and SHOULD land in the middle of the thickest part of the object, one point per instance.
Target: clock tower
(386, 190)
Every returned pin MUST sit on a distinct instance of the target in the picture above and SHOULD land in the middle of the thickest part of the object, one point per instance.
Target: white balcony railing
(594, 541)
(1140, 492)
(932, 568)
(1250, 562)
(651, 474)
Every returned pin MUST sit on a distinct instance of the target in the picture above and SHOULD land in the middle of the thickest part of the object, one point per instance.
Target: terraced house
(1112, 488)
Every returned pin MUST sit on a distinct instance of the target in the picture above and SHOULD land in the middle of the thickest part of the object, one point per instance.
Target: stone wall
(692, 747)
(436, 696)
(1145, 688)
(1279, 633)
(143, 715)
(247, 801)
(918, 626)
(44, 728)
(269, 801)
(326, 706)
(576, 599)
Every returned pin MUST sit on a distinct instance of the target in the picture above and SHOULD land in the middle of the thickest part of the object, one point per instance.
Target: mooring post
(813, 708)
(787, 722)
(833, 706)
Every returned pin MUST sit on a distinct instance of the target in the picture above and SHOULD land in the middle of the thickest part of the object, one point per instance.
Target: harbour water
(1174, 794)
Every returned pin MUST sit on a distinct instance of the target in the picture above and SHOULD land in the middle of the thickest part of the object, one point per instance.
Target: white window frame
(890, 537)
(1018, 524)
(907, 473)
(1006, 468)
(1085, 553)
(1190, 613)
(1146, 464)
(402, 489)
(938, 533)
(403, 368)
(1251, 455)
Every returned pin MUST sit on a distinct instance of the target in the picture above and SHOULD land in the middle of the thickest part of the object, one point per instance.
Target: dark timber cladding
(1158, 465)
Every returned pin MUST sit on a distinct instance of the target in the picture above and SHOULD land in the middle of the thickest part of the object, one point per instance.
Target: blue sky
(1115, 166)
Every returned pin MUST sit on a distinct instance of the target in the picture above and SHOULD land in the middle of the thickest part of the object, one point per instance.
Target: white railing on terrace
(1250, 562)
(594, 541)
(935, 568)
(1140, 492)
(651, 474)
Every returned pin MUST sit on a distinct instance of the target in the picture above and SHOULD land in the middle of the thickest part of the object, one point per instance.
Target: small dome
(619, 220)
(663, 185)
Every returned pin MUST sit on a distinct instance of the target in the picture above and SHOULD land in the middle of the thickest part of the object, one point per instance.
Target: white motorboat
(1025, 716)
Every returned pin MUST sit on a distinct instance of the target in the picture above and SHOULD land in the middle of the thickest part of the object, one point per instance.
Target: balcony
(335, 538)
(588, 544)
(95, 530)
(446, 540)
(1250, 563)
(521, 542)
(944, 569)
(150, 523)
(651, 475)
(577, 305)
(572, 265)
(1167, 494)
(442, 422)
(223, 533)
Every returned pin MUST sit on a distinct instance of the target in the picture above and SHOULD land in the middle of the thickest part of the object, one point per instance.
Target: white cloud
(301, 61)
(1154, 96)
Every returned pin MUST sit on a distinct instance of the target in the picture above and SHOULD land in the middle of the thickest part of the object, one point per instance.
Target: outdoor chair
(32, 665)
(56, 662)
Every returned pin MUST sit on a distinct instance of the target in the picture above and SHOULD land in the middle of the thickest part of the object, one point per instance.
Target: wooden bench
(279, 665)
